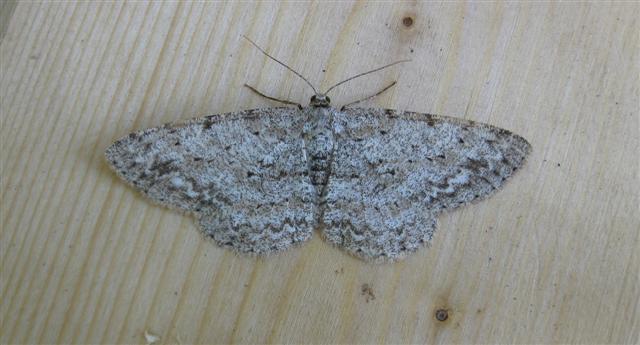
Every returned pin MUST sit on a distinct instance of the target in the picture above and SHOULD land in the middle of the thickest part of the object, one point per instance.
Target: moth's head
(320, 100)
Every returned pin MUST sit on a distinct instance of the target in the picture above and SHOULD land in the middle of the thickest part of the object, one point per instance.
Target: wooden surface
(553, 257)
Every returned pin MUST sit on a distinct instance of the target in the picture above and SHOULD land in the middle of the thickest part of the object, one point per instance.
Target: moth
(373, 180)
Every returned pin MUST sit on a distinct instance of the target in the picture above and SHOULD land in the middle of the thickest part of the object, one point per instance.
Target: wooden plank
(551, 258)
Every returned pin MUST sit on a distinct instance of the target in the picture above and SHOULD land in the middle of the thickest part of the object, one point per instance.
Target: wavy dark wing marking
(393, 172)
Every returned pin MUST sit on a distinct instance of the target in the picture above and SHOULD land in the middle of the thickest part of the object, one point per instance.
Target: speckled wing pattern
(393, 172)
(259, 181)
(244, 175)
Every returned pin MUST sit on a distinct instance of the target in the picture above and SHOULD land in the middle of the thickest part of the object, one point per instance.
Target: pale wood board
(553, 257)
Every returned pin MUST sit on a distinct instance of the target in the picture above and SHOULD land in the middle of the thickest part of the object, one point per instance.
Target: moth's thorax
(319, 142)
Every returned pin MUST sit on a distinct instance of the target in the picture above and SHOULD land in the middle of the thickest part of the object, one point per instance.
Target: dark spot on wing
(208, 123)
(503, 132)
(487, 181)
(162, 168)
(442, 185)
(476, 164)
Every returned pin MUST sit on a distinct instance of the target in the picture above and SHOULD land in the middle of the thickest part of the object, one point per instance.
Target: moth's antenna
(281, 63)
(365, 73)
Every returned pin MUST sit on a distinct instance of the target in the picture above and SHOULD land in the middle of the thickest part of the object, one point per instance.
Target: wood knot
(407, 21)
(442, 314)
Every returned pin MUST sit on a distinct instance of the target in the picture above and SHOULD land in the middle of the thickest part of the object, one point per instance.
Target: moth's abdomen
(320, 154)
(319, 171)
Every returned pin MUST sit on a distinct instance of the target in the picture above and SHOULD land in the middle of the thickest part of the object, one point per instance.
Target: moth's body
(319, 139)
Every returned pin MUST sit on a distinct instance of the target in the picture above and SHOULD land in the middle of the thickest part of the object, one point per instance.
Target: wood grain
(551, 258)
